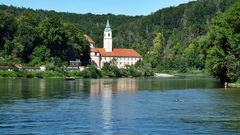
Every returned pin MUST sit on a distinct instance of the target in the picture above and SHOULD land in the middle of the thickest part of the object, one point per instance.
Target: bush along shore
(108, 71)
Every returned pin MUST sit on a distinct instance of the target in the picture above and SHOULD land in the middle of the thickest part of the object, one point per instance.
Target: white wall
(121, 62)
(96, 58)
(107, 41)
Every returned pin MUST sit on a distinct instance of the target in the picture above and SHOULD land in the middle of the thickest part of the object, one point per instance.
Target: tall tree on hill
(7, 26)
(223, 56)
(157, 51)
(25, 37)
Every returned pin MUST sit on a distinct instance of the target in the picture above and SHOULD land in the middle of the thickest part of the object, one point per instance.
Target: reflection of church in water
(104, 90)
(100, 86)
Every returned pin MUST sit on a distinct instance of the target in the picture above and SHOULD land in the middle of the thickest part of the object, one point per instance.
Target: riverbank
(89, 72)
(94, 73)
(31, 74)
(235, 85)
(163, 75)
(199, 73)
(174, 73)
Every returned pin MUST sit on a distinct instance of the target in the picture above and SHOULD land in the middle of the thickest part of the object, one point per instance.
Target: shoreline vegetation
(109, 71)
(92, 72)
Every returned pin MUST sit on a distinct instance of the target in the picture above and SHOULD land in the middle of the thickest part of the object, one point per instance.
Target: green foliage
(33, 39)
(40, 55)
(4, 73)
(190, 55)
(223, 55)
(111, 70)
(91, 72)
(23, 30)
(157, 52)
(169, 39)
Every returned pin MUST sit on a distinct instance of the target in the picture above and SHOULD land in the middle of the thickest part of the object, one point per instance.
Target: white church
(122, 57)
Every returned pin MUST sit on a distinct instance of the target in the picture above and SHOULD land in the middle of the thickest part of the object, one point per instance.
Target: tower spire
(108, 27)
(108, 24)
(107, 41)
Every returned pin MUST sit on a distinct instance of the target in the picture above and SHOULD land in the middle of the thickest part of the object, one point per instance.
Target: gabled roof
(89, 39)
(94, 50)
(117, 52)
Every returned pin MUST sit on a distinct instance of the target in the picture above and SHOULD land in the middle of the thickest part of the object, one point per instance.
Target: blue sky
(126, 7)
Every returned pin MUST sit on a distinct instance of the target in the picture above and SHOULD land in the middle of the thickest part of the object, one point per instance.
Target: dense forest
(190, 36)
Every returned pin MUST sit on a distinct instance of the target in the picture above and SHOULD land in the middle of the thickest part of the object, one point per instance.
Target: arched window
(108, 34)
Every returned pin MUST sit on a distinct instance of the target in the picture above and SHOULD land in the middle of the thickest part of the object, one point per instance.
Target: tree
(54, 37)
(40, 55)
(25, 37)
(223, 55)
(157, 51)
(7, 26)
(190, 54)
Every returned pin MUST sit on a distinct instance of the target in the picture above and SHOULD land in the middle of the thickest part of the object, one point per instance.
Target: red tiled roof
(88, 38)
(94, 50)
(117, 52)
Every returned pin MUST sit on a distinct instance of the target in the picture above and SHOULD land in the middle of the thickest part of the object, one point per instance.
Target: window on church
(108, 34)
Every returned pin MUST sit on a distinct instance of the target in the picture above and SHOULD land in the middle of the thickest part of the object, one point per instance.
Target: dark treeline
(175, 38)
(27, 37)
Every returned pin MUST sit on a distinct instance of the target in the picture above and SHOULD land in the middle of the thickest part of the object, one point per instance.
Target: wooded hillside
(168, 39)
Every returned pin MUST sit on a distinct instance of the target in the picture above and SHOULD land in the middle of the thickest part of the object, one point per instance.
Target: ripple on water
(118, 106)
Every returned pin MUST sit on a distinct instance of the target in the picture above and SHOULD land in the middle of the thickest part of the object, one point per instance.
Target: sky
(125, 7)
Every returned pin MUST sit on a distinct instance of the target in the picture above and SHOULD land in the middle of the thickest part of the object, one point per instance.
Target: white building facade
(121, 57)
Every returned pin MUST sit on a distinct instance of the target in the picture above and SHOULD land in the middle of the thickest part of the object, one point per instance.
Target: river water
(128, 106)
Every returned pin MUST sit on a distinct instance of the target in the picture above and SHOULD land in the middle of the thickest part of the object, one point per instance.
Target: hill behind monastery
(179, 26)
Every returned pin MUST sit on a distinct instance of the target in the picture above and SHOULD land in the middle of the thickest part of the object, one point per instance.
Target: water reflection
(178, 83)
(42, 87)
(99, 86)
(58, 88)
(118, 106)
(105, 90)
(107, 106)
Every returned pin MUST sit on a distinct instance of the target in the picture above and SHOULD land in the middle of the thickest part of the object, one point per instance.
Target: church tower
(107, 41)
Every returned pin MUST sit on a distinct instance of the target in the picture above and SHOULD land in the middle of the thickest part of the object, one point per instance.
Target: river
(128, 106)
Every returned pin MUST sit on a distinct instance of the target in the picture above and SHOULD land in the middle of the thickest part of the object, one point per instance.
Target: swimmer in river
(225, 85)
(179, 100)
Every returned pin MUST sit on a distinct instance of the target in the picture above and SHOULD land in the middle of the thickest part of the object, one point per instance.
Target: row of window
(122, 63)
(105, 58)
